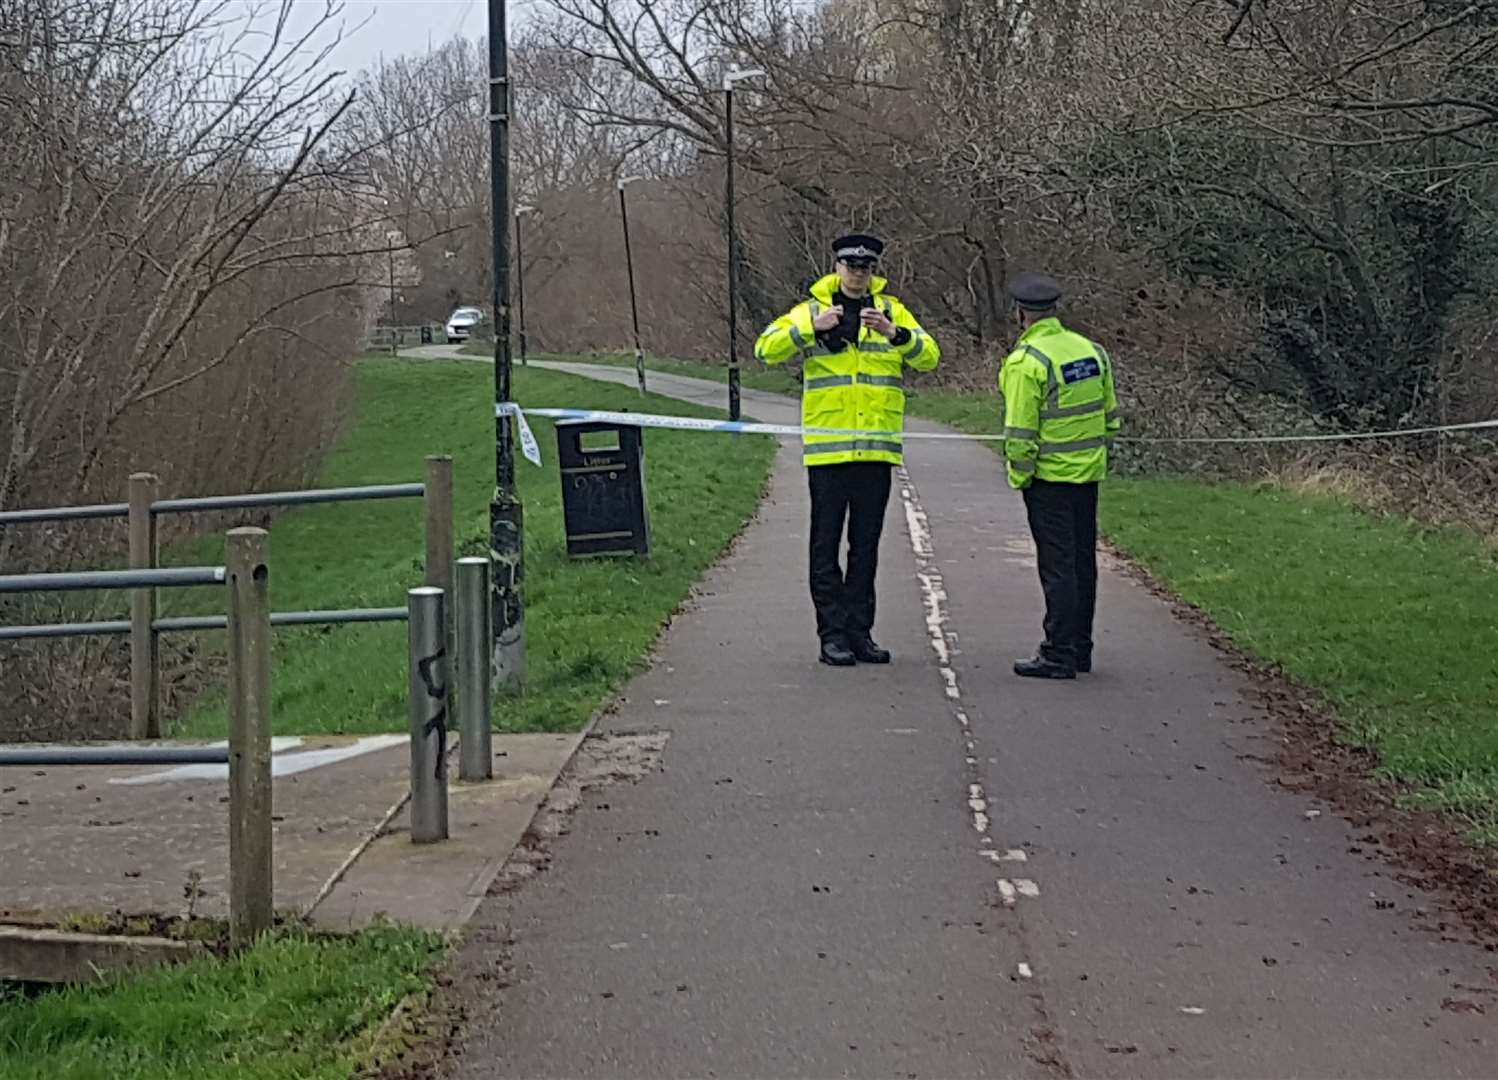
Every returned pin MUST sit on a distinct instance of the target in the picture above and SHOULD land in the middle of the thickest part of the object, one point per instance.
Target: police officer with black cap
(855, 340)
(1060, 415)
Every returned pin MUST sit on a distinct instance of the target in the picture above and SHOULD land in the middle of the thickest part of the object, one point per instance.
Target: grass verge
(589, 623)
(1391, 621)
(294, 1007)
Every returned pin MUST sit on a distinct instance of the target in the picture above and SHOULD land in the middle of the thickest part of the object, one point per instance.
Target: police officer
(1060, 414)
(855, 341)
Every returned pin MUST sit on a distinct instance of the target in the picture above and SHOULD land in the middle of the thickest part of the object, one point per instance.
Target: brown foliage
(184, 280)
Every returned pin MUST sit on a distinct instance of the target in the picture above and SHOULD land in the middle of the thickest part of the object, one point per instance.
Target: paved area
(938, 870)
(98, 840)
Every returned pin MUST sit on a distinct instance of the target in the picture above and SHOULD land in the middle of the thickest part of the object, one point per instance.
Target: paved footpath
(935, 869)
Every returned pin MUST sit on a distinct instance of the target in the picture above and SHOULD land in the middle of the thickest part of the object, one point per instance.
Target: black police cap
(858, 246)
(1035, 292)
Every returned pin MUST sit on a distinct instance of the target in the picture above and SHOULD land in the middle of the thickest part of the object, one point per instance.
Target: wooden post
(251, 889)
(441, 553)
(145, 654)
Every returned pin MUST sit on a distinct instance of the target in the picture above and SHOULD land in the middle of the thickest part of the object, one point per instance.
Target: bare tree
(183, 260)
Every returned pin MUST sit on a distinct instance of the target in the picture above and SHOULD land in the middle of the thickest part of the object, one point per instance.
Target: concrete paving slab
(30, 955)
(99, 840)
(438, 886)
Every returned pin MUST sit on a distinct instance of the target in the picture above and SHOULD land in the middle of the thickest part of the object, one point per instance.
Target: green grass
(589, 623)
(1393, 622)
(292, 1008)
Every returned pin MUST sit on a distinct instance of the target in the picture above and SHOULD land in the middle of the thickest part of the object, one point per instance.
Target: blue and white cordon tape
(532, 449)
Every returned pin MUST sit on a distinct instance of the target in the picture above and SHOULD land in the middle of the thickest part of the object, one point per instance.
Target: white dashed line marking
(944, 646)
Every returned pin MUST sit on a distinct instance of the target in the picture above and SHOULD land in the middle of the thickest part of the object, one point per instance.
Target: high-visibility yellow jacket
(861, 388)
(1060, 409)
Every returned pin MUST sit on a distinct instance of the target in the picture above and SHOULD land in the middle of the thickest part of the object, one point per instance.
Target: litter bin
(426, 333)
(604, 510)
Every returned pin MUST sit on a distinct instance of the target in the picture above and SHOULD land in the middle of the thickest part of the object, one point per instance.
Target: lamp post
(629, 267)
(729, 80)
(520, 211)
(506, 516)
(390, 264)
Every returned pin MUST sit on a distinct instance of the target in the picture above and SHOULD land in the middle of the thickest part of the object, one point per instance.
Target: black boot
(1084, 663)
(836, 652)
(867, 652)
(1038, 667)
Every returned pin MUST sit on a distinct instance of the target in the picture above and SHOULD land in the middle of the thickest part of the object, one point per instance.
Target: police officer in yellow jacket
(855, 341)
(1060, 414)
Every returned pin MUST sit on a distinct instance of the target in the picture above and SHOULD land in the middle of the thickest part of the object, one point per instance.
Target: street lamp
(729, 79)
(520, 275)
(506, 517)
(629, 266)
(390, 264)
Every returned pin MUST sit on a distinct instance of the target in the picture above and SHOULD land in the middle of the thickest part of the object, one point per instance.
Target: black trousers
(1063, 521)
(855, 493)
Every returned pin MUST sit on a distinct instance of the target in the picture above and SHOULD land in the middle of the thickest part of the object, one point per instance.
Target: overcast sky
(396, 27)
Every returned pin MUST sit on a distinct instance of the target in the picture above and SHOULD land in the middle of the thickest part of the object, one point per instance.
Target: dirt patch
(1424, 849)
(422, 1039)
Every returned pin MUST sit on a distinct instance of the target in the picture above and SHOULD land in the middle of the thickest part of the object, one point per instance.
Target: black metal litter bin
(604, 510)
(426, 334)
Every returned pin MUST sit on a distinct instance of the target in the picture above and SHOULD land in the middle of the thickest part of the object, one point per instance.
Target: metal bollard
(251, 836)
(475, 654)
(428, 708)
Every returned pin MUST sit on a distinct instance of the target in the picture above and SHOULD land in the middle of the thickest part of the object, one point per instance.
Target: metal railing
(145, 628)
(395, 337)
(246, 575)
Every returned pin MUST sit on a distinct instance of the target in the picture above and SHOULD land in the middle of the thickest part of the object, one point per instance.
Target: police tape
(532, 449)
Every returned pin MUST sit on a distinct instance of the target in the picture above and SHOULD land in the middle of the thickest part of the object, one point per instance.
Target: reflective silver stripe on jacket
(1023, 465)
(1052, 387)
(823, 382)
(1021, 433)
(812, 449)
(917, 343)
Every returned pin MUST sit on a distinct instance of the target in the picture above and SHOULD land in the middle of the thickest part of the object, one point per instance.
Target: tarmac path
(935, 869)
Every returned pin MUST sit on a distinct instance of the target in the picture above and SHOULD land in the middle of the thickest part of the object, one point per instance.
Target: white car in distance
(461, 322)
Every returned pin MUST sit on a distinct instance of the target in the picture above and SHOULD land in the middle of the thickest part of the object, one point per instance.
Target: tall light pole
(629, 267)
(505, 513)
(390, 262)
(729, 80)
(520, 211)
